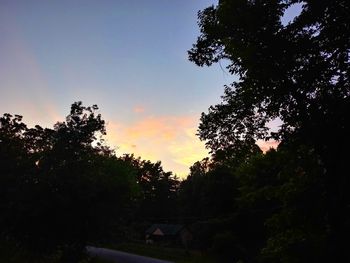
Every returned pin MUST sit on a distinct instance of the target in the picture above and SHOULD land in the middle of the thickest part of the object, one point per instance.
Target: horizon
(129, 58)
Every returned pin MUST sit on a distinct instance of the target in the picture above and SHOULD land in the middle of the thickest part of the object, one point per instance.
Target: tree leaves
(61, 187)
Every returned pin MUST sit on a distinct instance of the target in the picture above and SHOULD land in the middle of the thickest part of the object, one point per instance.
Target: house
(169, 234)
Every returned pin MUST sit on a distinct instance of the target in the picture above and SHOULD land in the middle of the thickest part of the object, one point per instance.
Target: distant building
(169, 234)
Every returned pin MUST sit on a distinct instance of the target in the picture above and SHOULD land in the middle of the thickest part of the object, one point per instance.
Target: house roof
(166, 229)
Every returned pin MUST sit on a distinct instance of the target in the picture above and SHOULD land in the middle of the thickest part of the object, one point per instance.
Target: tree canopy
(297, 72)
(61, 187)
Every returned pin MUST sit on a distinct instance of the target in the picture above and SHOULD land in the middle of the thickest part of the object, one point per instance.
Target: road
(120, 257)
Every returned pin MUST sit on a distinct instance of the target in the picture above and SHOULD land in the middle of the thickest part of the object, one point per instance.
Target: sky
(128, 57)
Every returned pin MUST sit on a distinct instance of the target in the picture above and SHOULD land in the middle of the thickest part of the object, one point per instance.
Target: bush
(225, 246)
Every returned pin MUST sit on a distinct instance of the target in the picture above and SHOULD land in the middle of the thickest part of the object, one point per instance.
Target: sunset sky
(128, 57)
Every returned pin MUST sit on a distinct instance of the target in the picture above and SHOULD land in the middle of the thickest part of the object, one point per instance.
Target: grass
(176, 255)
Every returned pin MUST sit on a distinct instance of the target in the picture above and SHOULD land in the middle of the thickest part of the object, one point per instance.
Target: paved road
(120, 257)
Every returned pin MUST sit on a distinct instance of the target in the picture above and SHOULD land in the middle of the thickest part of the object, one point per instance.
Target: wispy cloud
(170, 139)
(139, 109)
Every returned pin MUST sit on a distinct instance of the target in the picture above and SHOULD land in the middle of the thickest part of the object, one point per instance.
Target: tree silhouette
(61, 187)
(298, 73)
(158, 198)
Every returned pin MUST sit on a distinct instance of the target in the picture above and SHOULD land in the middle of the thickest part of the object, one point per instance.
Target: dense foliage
(298, 72)
(158, 190)
(62, 188)
(58, 191)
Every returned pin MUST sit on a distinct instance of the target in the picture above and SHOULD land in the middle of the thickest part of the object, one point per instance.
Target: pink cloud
(267, 145)
(170, 139)
(139, 109)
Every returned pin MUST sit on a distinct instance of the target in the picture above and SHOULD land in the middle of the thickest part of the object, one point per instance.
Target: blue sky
(129, 57)
(113, 53)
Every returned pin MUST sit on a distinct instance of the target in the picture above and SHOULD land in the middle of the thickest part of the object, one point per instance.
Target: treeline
(63, 188)
(291, 204)
(269, 208)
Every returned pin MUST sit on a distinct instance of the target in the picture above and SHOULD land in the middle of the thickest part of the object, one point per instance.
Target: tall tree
(297, 72)
(282, 198)
(157, 201)
(209, 191)
(61, 187)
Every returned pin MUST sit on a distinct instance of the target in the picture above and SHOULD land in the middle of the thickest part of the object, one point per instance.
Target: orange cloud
(267, 145)
(170, 139)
